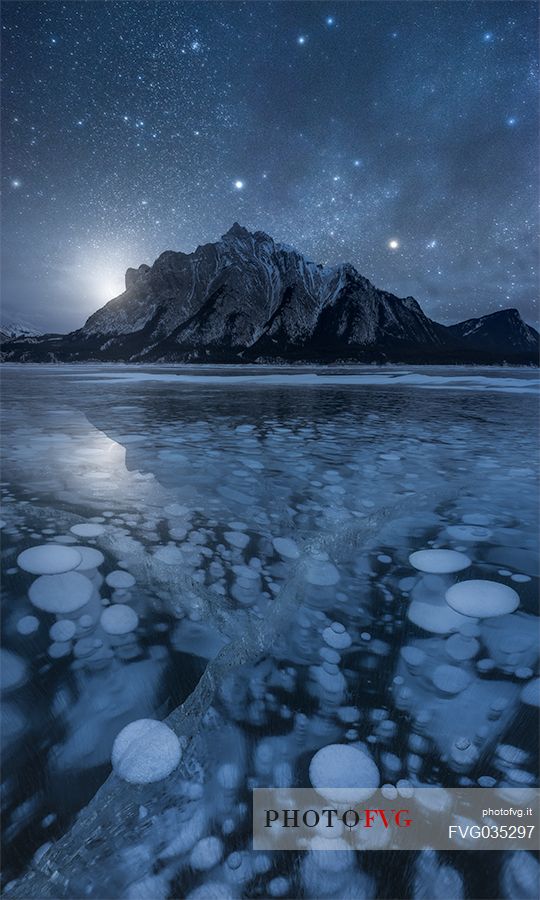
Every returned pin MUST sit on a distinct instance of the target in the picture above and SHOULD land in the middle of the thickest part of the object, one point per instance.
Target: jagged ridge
(248, 298)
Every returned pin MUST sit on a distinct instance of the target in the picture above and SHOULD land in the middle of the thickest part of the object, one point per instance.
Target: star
(301, 40)
(330, 21)
(16, 183)
(393, 244)
(511, 121)
(239, 185)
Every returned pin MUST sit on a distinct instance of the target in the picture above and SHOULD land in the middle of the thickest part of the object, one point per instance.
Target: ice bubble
(329, 655)
(49, 559)
(62, 630)
(170, 555)
(211, 890)
(520, 579)
(348, 714)
(13, 670)
(119, 579)
(523, 672)
(91, 559)
(439, 562)
(237, 539)
(476, 519)
(450, 679)
(413, 657)
(482, 599)
(320, 571)
(86, 621)
(58, 649)
(383, 558)
(87, 529)
(119, 619)
(61, 593)
(343, 766)
(229, 776)
(86, 647)
(336, 636)
(27, 625)
(206, 853)
(286, 548)
(460, 647)
(279, 887)
(145, 751)
(468, 532)
(530, 694)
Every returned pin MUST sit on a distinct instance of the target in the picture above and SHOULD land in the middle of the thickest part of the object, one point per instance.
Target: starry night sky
(399, 136)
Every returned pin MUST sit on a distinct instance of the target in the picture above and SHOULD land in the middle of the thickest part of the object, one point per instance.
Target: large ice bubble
(91, 559)
(145, 751)
(119, 619)
(49, 559)
(87, 529)
(439, 562)
(343, 766)
(61, 593)
(482, 599)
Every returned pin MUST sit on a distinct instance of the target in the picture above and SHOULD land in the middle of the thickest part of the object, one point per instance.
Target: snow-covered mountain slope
(248, 298)
(10, 329)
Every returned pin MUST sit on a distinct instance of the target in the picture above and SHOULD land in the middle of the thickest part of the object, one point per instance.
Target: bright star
(487, 37)
(393, 244)
(511, 121)
(330, 21)
(301, 40)
(15, 183)
(239, 185)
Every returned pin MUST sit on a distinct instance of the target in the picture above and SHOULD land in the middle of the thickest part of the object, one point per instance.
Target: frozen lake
(245, 539)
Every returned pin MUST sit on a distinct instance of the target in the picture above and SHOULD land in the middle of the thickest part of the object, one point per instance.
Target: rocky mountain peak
(248, 298)
(236, 231)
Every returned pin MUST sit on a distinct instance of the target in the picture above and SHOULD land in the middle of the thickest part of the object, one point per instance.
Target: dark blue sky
(399, 136)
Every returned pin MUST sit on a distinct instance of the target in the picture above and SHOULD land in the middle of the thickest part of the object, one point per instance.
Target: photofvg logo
(331, 818)
(408, 818)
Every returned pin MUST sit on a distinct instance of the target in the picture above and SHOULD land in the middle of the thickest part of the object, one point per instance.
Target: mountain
(247, 298)
(10, 330)
(490, 333)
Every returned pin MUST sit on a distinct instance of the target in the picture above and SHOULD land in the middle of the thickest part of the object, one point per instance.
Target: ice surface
(230, 644)
(509, 384)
